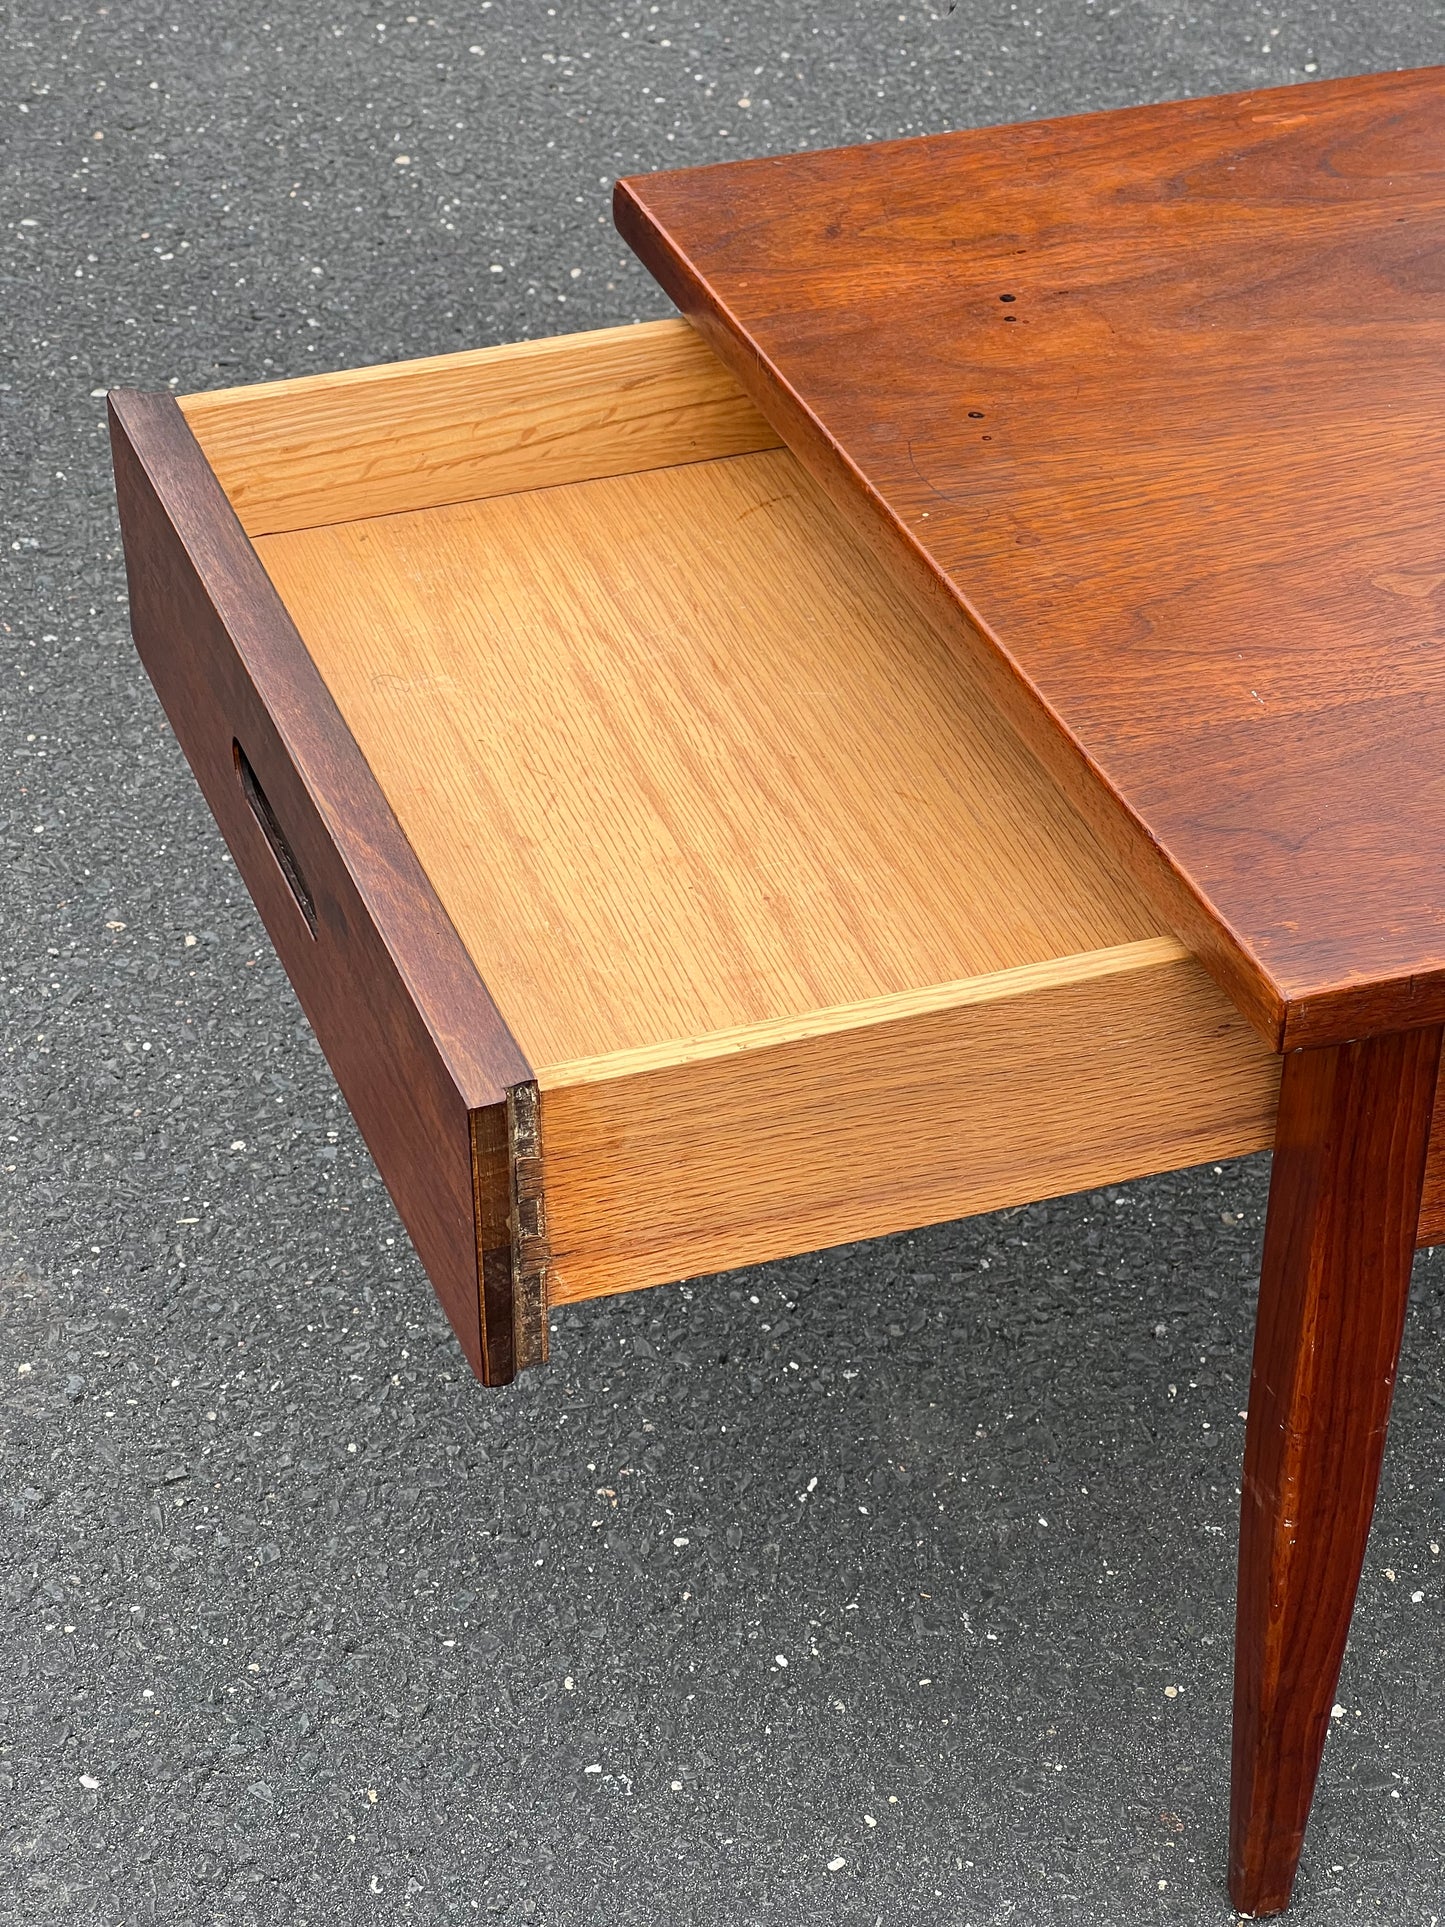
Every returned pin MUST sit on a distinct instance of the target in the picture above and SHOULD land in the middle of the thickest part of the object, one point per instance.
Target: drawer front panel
(417, 1047)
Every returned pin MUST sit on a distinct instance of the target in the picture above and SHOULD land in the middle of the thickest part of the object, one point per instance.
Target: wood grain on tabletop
(451, 428)
(1157, 398)
(677, 758)
(1334, 1283)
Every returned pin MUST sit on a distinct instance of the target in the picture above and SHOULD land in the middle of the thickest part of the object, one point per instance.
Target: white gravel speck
(837, 1863)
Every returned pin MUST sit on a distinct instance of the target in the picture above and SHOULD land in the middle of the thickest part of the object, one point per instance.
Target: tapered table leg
(1344, 1200)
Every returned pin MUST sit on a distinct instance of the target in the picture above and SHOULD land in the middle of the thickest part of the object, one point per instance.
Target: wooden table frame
(1054, 372)
(576, 1081)
(1349, 1162)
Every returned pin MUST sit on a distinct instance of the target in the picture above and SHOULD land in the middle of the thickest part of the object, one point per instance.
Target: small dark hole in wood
(975, 414)
(1008, 297)
(266, 819)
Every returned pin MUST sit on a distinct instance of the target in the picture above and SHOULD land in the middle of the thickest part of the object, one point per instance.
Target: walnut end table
(1151, 407)
(953, 721)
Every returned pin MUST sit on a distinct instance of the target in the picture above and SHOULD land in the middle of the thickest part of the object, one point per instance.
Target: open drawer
(662, 888)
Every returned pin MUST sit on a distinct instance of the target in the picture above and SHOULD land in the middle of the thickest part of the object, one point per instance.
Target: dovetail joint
(528, 1215)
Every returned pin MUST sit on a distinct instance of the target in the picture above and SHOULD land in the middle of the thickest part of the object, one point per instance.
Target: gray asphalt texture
(297, 1623)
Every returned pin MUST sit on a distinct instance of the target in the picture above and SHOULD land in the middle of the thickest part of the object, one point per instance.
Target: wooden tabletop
(1151, 406)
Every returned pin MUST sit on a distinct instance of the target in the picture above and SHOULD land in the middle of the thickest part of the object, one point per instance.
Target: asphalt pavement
(889, 1585)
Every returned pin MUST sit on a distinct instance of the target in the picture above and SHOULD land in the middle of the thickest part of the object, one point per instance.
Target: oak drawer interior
(800, 944)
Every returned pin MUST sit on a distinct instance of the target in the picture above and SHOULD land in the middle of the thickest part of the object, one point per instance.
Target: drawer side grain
(1132, 1062)
(455, 428)
(417, 1046)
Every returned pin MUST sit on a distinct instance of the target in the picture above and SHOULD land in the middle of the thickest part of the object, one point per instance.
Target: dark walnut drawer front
(662, 886)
